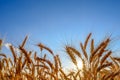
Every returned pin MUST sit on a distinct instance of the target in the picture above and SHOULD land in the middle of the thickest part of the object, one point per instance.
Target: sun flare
(79, 64)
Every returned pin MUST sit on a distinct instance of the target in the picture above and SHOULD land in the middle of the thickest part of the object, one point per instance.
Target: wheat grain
(14, 54)
(104, 66)
(86, 41)
(44, 47)
(24, 41)
(84, 51)
(105, 57)
(72, 56)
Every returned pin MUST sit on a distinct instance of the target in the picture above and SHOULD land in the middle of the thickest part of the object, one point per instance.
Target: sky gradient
(55, 22)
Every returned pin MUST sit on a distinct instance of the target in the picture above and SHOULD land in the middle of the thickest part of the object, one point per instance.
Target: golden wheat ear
(75, 51)
(100, 49)
(117, 59)
(104, 66)
(26, 54)
(92, 46)
(105, 57)
(24, 41)
(2, 54)
(87, 39)
(41, 46)
(13, 53)
(84, 51)
(1, 43)
(71, 55)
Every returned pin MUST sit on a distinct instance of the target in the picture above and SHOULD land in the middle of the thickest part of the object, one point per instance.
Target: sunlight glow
(79, 64)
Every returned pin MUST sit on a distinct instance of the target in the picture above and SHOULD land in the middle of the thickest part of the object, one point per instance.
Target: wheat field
(98, 63)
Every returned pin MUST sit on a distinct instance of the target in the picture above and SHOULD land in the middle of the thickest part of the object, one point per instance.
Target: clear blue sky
(57, 21)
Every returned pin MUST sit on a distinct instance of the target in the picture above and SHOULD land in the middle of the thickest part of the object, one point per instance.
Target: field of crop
(98, 63)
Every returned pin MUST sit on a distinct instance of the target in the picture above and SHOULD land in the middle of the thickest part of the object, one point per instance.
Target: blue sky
(54, 22)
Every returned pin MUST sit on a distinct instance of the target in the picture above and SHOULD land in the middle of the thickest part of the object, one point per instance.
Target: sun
(79, 64)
